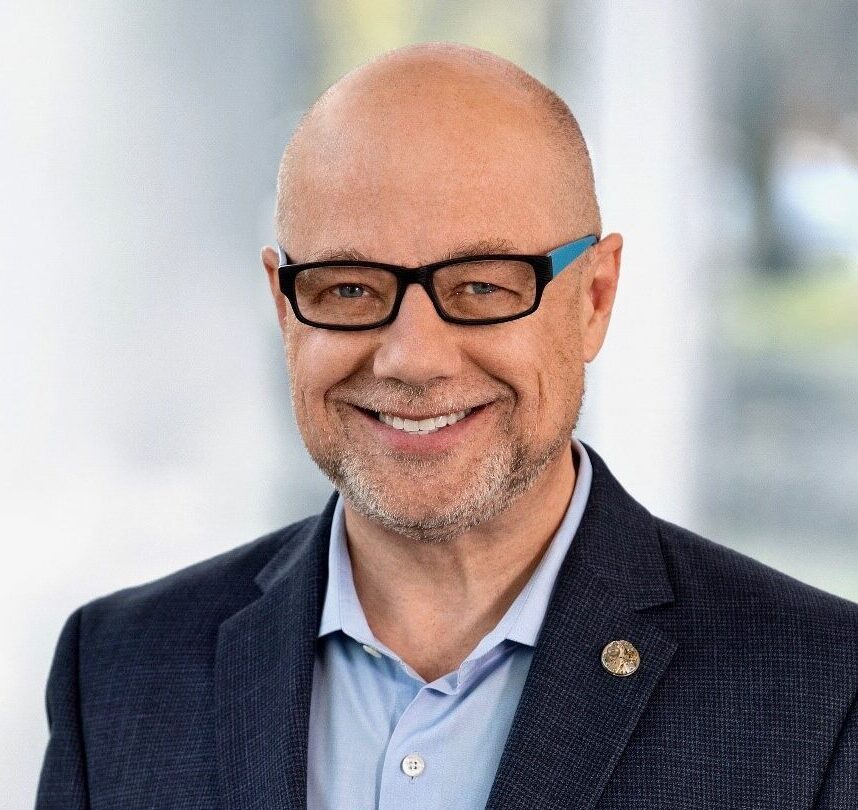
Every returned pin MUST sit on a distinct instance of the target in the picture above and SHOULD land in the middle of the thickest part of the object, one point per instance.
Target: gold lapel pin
(621, 658)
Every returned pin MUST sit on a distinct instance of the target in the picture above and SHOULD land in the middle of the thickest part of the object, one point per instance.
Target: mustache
(391, 395)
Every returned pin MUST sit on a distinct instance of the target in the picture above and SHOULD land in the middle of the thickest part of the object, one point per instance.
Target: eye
(349, 291)
(479, 288)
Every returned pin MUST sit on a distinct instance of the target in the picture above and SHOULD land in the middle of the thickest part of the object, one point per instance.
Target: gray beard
(504, 477)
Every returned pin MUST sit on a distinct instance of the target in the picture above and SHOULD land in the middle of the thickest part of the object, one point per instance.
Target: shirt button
(371, 650)
(413, 765)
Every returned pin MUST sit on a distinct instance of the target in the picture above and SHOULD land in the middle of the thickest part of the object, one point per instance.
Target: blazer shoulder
(710, 575)
(205, 592)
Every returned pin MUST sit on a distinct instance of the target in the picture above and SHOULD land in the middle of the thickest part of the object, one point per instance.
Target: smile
(423, 427)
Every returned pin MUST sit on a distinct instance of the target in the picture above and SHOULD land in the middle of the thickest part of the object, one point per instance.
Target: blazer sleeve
(62, 785)
(839, 789)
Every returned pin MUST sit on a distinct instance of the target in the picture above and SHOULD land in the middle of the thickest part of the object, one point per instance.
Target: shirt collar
(522, 621)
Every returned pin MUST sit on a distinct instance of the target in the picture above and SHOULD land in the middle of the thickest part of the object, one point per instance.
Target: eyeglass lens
(474, 290)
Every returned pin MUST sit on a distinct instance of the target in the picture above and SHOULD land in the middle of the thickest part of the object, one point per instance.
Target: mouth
(421, 425)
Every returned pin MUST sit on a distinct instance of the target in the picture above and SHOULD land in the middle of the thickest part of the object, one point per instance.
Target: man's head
(428, 152)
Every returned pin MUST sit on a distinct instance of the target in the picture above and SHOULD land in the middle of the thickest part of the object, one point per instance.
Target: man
(482, 617)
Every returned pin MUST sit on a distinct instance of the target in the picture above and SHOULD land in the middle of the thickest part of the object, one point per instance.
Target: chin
(435, 511)
(425, 523)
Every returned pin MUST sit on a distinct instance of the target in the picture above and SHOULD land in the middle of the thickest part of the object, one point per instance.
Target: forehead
(381, 171)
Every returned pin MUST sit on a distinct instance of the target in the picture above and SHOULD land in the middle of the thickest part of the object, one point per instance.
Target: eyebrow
(463, 249)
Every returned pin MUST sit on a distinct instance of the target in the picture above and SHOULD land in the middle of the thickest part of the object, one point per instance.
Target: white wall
(639, 87)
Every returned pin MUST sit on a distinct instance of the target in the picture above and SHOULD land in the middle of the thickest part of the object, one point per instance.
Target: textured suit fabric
(193, 691)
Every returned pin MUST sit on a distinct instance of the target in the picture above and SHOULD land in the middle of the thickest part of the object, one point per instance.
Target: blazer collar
(264, 674)
(572, 722)
(618, 542)
(575, 718)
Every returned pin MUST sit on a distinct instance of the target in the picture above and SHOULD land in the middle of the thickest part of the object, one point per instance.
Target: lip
(431, 443)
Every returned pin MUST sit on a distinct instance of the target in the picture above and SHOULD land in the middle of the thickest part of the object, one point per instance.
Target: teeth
(423, 427)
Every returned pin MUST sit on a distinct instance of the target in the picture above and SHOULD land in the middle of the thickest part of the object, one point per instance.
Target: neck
(432, 603)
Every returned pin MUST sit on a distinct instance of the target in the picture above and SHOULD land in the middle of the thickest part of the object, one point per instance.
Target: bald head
(417, 125)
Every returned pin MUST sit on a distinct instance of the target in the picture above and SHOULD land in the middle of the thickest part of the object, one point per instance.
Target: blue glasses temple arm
(566, 254)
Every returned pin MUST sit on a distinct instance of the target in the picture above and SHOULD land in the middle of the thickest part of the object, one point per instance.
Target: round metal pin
(621, 658)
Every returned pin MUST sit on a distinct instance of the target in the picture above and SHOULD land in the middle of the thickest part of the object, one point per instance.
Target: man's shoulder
(714, 588)
(712, 580)
(194, 599)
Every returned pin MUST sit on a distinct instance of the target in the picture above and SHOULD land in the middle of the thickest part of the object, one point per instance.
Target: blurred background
(145, 417)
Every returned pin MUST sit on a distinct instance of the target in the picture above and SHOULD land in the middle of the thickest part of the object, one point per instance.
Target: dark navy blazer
(194, 691)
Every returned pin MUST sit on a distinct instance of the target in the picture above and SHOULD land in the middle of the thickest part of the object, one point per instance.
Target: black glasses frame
(405, 276)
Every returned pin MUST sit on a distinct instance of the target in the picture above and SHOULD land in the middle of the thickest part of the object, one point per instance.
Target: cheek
(560, 324)
(318, 360)
(545, 368)
(522, 359)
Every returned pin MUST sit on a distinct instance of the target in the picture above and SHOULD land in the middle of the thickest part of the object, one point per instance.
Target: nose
(418, 347)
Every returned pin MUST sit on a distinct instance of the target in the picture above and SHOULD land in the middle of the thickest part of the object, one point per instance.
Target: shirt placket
(412, 760)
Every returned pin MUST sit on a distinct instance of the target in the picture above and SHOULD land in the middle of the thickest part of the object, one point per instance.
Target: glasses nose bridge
(422, 276)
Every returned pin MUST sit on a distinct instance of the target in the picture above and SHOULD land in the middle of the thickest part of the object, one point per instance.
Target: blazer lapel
(575, 718)
(263, 677)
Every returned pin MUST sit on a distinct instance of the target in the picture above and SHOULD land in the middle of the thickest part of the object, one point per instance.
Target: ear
(271, 263)
(598, 290)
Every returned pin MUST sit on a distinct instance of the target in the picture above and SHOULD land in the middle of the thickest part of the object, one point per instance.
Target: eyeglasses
(476, 290)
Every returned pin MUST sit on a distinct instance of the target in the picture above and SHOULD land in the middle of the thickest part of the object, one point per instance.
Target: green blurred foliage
(354, 31)
(804, 314)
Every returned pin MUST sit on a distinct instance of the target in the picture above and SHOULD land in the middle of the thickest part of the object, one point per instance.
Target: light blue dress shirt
(372, 717)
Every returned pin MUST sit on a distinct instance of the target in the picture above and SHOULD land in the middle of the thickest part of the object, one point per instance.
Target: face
(407, 186)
